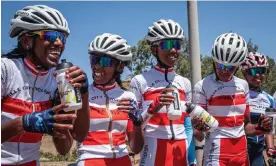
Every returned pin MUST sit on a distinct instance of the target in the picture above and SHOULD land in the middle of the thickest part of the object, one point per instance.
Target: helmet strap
(33, 56)
(160, 63)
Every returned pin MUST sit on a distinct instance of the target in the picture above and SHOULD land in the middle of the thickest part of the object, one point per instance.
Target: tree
(142, 58)
(182, 65)
(251, 46)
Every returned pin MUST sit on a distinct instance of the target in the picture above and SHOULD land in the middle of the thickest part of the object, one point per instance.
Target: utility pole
(194, 56)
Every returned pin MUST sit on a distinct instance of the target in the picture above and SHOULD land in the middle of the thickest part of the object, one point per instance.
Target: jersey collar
(33, 68)
(106, 87)
(162, 69)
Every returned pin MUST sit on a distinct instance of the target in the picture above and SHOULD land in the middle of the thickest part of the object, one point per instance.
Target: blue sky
(254, 20)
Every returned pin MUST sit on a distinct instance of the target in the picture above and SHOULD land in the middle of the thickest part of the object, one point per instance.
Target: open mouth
(54, 54)
(98, 75)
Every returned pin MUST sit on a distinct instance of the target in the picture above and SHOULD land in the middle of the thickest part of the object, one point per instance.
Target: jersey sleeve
(199, 96)
(135, 87)
(247, 97)
(189, 92)
(6, 75)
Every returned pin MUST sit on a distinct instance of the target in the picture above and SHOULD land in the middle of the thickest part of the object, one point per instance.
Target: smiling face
(104, 68)
(255, 76)
(48, 53)
(48, 46)
(168, 51)
(224, 73)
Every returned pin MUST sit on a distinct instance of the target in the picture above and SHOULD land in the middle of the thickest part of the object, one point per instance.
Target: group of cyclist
(112, 117)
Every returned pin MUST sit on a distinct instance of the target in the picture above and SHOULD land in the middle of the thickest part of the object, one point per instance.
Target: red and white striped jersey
(108, 126)
(226, 101)
(146, 87)
(23, 91)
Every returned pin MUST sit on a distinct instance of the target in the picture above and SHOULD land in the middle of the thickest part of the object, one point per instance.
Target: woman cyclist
(28, 88)
(254, 69)
(226, 97)
(111, 106)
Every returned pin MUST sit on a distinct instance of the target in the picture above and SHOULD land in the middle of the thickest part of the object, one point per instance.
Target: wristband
(84, 88)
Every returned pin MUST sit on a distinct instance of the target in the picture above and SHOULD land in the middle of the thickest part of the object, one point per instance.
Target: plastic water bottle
(197, 111)
(270, 112)
(68, 94)
(174, 110)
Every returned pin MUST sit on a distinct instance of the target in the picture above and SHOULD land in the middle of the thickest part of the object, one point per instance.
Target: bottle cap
(64, 64)
(190, 107)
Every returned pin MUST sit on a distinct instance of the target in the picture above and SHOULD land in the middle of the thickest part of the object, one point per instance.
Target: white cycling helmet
(164, 29)
(37, 17)
(111, 44)
(229, 49)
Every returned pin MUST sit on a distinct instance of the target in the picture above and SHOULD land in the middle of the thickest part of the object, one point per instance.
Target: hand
(131, 107)
(161, 100)
(78, 78)
(264, 123)
(199, 135)
(270, 152)
(199, 124)
(46, 122)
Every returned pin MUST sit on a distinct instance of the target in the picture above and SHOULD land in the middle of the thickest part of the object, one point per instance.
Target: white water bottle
(197, 111)
(174, 110)
(68, 94)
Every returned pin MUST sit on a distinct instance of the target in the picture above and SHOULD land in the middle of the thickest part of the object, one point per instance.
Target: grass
(47, 156)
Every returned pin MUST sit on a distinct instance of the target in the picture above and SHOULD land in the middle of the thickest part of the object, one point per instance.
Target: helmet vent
(231, 41)
(42, 17)
(238, 44)
(109, 44)
(52, 16)
(102, 43)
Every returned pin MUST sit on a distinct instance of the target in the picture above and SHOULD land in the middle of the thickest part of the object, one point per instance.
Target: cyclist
(110, 104)
(28, 88)
(165, 139)
(254, 69)
(226, 98)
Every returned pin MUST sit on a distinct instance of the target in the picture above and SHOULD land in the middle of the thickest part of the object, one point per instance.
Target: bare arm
(82, 123)
(269, 139)
(78, 79)
(11, 129)
(249, 128)
(63, 145)
(136, 139)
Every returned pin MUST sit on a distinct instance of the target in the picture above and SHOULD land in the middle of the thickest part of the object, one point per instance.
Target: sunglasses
(51, 36)
(104, 61)
(169, 44)
(255, 71)
(220, 66)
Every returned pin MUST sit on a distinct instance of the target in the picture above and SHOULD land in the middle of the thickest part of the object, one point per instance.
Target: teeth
(99, 74)
(54, 52)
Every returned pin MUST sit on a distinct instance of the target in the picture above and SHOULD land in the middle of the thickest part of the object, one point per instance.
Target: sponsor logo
(144, 156)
